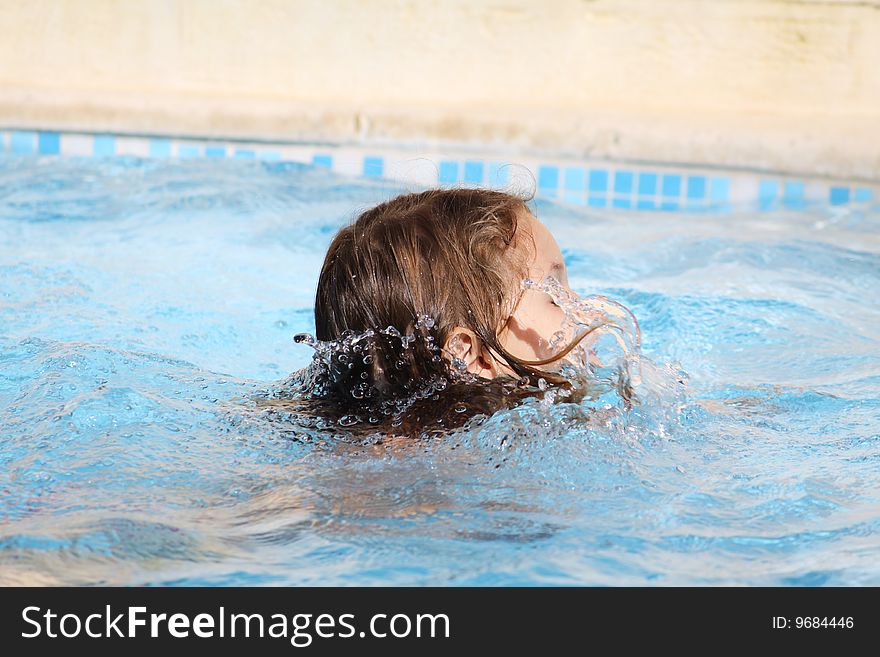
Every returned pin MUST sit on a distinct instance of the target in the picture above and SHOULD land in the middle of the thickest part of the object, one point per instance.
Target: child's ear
(464, 344)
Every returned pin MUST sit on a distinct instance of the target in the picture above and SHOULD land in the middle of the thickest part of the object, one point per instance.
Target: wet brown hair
(408, 271)
(449, 254)
(442, 253)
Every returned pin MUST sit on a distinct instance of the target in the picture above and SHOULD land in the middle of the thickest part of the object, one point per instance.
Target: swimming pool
(146, 302)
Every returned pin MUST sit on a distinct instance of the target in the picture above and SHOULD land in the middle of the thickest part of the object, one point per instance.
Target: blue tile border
(654, 187)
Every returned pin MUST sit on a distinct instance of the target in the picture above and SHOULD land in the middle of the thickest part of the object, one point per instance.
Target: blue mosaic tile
(548, 177)
(104, 145)
(575, 179)
(473, 172)
(623, 183)
(671, 185)
(598, 180)
(574, 197)
(269, 156)
(160, 148)
(597, 202)
(647, 183)
(696, 187)
(719, 190)
(645, 204)
(862, 195)
(22, 142)
(245, 153)
(793, 194)
(323, 161)
(447, 174)
(838, 195)
(767, 190)
(188, 150)
(215, 151)
(621, 203)
(373, 166)
(498, 174)
(49, 143)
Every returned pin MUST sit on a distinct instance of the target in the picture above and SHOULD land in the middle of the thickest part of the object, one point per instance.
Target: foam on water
(146, 366)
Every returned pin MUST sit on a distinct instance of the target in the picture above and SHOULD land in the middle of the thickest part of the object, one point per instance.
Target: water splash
(598, 342)
(386, 381)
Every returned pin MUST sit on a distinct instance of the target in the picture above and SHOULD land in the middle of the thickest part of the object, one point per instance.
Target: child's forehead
(545, 249)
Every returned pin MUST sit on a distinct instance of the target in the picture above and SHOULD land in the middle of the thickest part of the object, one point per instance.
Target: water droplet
(461, 408)
(304, 338)
(542, 384)
(348, 420)
(368, 359)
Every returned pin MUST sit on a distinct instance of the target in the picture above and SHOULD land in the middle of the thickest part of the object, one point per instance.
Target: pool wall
(790, 86)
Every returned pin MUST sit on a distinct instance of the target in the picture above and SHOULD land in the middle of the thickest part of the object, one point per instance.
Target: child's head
(445, 266)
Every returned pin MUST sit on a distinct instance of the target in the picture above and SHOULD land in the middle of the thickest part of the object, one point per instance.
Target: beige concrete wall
(789, 85)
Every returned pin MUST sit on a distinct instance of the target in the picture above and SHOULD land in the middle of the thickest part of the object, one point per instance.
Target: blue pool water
(145, 304)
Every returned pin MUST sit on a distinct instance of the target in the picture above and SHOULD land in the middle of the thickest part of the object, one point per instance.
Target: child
(422, 319)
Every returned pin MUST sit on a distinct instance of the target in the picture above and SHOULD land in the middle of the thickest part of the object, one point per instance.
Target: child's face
(536, 317)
